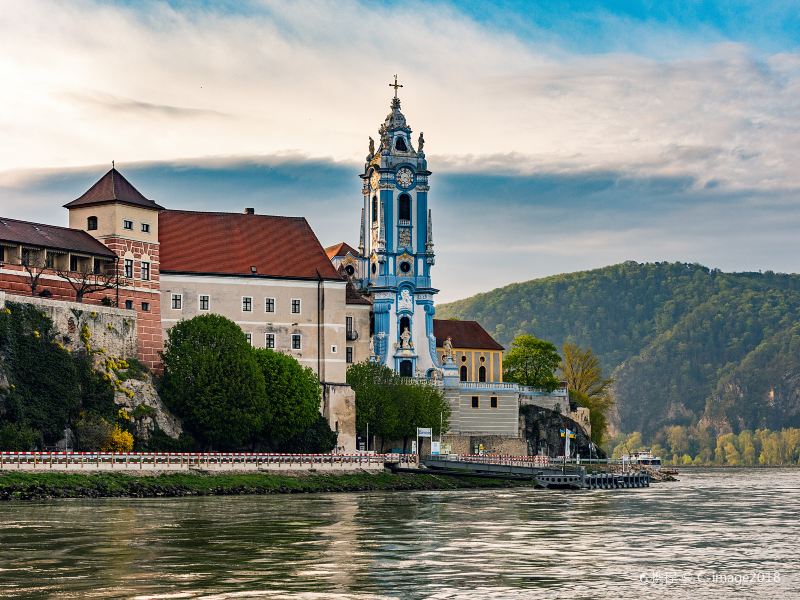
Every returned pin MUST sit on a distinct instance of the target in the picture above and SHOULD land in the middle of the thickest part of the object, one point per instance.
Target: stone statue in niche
(420, 142)
(406, 302)
(405, 340)
(372, 345)
(371, 147)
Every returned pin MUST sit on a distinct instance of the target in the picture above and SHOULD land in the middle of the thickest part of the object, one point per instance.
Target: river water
(716, 533)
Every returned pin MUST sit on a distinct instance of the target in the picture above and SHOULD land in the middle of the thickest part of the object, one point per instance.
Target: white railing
(503, 385)
(193, 460)
(495, 385)
(496, 459)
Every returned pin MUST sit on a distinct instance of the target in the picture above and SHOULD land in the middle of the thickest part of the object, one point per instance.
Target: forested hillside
(686, 344)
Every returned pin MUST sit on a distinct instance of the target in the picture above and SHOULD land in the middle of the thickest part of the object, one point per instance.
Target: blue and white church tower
(396, 247)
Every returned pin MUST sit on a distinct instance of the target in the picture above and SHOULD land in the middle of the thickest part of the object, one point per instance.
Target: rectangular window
(349, 326)
(2, 254)
(493, 401)
(177, 301)
(145, 307)
(205, 302)
(247, 304)
(295, 306)
(73, 261)
(145, 271)
(249, 338)
(475, 402)
(349, 355)
(127, 224)
(270, 341)
(129, 268)
(145, 227)
(269, 305)
(296, 341)
(129, 304)
(334, 349)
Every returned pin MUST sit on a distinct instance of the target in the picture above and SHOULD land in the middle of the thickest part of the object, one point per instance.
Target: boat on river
(644, 458)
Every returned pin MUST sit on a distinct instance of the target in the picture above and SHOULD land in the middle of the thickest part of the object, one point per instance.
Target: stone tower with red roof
(118, 215)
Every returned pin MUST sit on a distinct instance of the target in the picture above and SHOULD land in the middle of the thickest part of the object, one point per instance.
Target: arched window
(374, 209)
(463, 372)
(482, 374)
(91, 223)
(406, 368)
(400, 144)
(404, 207)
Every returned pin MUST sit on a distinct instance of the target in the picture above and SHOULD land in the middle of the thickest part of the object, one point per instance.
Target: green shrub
(213, 382)
(18, 437)
(317, 438)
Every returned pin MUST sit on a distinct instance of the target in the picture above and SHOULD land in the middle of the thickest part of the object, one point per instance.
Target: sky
(562, 136)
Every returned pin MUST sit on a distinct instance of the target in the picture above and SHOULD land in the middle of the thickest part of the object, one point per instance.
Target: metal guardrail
(187, 460)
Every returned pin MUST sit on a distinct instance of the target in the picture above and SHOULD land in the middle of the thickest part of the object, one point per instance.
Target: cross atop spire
(395, 85)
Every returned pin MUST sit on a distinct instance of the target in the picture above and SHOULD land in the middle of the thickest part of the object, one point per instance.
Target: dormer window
(91, 224)
(400, 144)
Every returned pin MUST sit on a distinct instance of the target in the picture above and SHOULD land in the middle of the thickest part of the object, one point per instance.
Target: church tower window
(405, 323)
(91, 223)
(406, 368)
(400, 144)
(374, 209)
(404, 208)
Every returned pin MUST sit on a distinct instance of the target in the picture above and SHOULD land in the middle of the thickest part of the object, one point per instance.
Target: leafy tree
(293, 393)
(419, 405)
(214, 383)
(532, 362)
(92, 431)
(392, 408)
(375, 405)
(582, 371)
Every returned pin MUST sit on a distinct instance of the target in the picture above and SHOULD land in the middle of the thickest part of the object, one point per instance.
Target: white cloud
(85, 82)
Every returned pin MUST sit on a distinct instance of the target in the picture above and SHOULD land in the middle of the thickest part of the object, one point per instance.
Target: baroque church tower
(396, 247)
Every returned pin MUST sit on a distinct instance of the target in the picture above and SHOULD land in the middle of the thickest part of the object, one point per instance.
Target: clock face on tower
(375, 180)
(405, 177)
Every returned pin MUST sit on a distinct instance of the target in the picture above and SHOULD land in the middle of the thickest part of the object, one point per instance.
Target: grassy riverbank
(39, 486)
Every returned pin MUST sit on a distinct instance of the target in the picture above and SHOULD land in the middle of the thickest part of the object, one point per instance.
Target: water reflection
(473, 544)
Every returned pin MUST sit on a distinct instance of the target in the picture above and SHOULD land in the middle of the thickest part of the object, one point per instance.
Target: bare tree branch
(34, 265)
(86, 281)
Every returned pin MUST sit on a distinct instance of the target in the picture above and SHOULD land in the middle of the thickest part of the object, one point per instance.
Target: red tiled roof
(39, 235)
(464, 334)
(231, 243)
(340, 249)
(113, 187)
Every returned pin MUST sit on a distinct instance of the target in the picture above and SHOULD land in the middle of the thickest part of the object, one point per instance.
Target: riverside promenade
(139, 462)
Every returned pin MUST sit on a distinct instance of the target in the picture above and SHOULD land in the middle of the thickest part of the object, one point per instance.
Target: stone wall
(111, 329)
(339, 408)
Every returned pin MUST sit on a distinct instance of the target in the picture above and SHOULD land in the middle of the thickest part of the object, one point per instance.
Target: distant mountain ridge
(686, 344)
